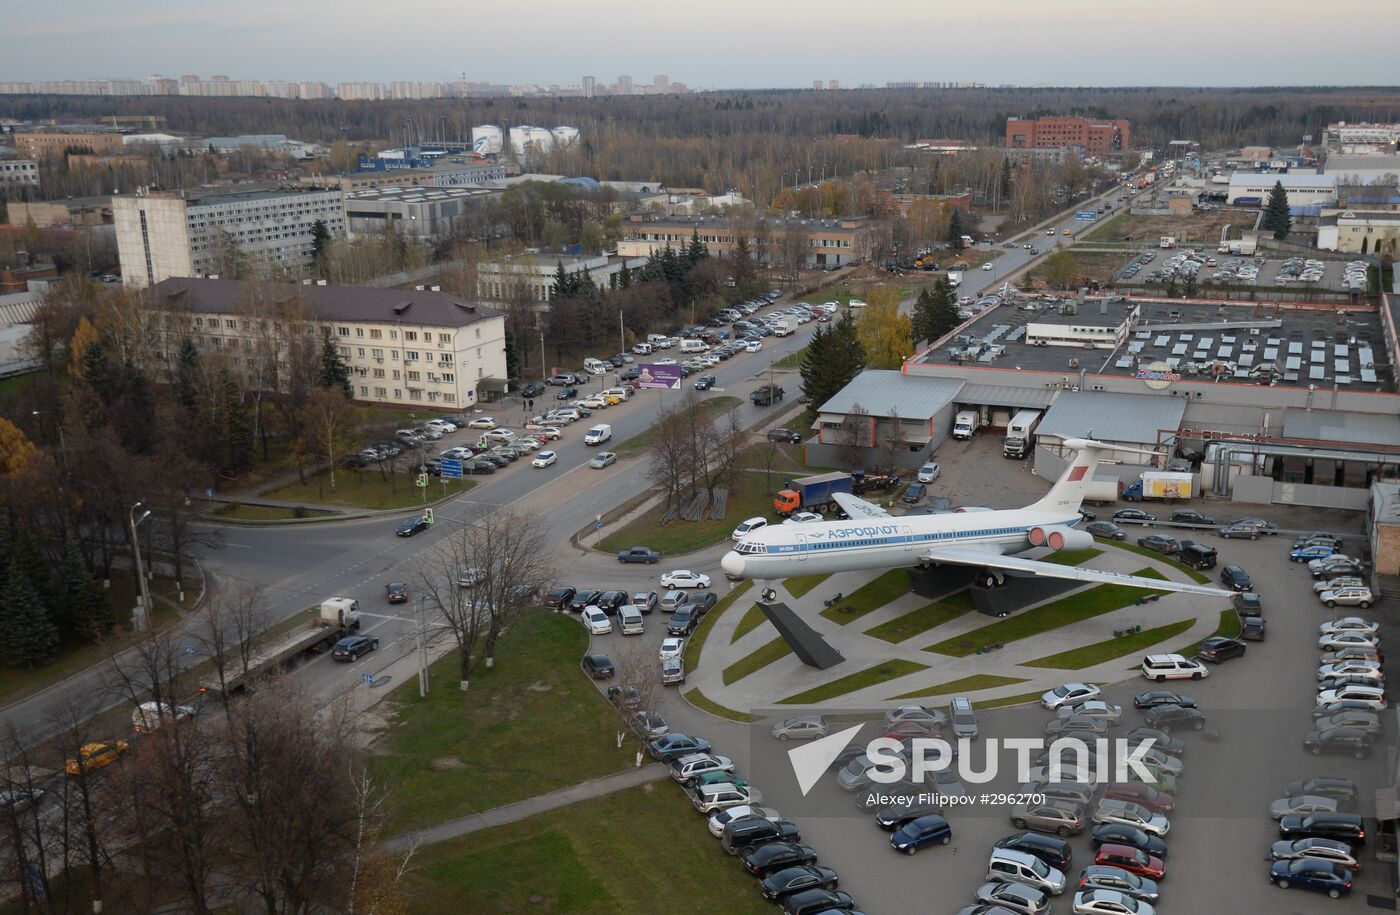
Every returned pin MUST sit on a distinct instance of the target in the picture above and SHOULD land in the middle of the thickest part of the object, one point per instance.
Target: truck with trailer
(966, 424)
(816, 493)
(1156, 484)
(335, 618)
(1103, 489)
(1020, 433)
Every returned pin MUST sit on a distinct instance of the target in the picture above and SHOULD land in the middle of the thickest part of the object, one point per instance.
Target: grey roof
(1218, 417)
(1129, 418)
(19, 307)
(1005, 395)
(326, 303)
(1385, 503)
(877, 392)
(1331, 426)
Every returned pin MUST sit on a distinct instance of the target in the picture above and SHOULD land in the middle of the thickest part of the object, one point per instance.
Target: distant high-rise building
(817, 84)
(1096, 138)
(590, 87)
(660, 83)
(833, 84)
(624, 85)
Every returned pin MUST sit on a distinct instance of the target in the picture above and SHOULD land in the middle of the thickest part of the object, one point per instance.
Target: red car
(1146, 795)
(902, 730)
(1132, 860)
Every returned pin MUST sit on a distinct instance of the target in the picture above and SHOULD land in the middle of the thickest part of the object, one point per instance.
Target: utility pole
(621, 332)
(142, 617)
(422, 651)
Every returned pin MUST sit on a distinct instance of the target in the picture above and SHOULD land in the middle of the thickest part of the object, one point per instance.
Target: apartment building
(531, 277)
(841, 240)
(1096, 138)
(162, 234)
(18, 173)
(405, 347)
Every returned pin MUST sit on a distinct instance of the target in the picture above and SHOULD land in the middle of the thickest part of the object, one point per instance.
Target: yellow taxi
(96, 756)
(1064, 232)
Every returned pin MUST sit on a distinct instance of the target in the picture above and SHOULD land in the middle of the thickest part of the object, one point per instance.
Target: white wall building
(531, 277)
(19, 173)
(1363, 169)
(164, 233)
(1302, 189)
(410, 347)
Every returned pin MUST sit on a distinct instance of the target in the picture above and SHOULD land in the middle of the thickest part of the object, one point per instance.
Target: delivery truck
(966, 424)
(1161, 485)
(1020, 434)
(1103, 489)
(815, 493)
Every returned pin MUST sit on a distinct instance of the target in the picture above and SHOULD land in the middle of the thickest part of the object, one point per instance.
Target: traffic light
(422, 480)
(427, 516)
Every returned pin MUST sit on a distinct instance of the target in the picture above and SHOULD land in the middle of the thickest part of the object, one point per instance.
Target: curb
(331, 517)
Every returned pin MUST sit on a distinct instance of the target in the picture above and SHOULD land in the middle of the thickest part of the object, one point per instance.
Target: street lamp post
(142, 617)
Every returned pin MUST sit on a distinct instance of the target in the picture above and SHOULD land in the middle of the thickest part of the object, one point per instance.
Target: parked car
(599, 666)
(914, 493)
(1061, 817)
(1236, 578)
(1354, 596)
(915, 834)
(1165, 718)
(775, 856)
(1133, 860)
(1160, 544)
(1192, 517)
(684, 578)
(1106, 529)
(1104, 877)
(800, 727)
(1156, 697)
(1320, 849)
(1135, 515)
(1344, 827)
(640, 554)
(1352, 742)
(1218, 648)
(1052, 850)
(1312, 874)
(1302, 804)
(1161, 667)
(1070, 694)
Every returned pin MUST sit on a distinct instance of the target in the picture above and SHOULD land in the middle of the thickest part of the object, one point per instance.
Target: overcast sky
(716, 43)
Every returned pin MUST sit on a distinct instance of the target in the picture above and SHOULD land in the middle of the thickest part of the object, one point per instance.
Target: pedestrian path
(520, 810)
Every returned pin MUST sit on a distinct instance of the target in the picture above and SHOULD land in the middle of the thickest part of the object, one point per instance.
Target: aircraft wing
(857, 507)
(970, 556)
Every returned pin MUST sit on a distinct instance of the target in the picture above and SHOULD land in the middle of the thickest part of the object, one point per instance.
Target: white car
(1161, 667)
(1359, 596)
(672, 648)
(803, 518)
(988, 266)
(684, 578)
(1109, 902)
(1070, 694)
(1351, 668)
(1373, 696)
(1060, 773)
(596, 621)
(548, 434)
(442, 425)
(721, 819)
(544, 459)
(1346, 581)
(1350, 624)
(1127, 813)
(855, 303)
(1332, 641)
(595, 402)
(482, 422)
(753, 346)
(667, 361)
(1302, 806)
(456, 454)
(748, 527)
(500, 435)
(928, 473)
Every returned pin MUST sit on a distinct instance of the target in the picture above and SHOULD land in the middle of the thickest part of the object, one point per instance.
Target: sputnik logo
(810, 762)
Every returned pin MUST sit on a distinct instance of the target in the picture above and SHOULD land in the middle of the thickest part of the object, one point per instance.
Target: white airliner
(874, 539)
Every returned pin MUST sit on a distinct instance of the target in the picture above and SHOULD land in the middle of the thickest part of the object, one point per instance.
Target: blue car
(1307, 553)
(1312, 874)
(915, 834)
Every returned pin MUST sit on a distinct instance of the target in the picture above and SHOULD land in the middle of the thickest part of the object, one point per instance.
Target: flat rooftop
(1235, 343)
(420, 194)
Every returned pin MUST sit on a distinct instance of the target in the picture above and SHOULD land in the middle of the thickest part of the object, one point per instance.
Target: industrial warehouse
(1265, 403)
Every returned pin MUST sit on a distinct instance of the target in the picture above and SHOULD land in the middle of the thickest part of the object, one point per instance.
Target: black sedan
(914, 493)
(817, 900)
(775, 856)
(1106, 529)
(599, 666)
(566, 393)
(1236, 578)
(1191, 516)
(1217, 648)
(1166, 717)
(396, 592)
(1343, 741)
(1156, 697)
(1131, 836)
(532, 389)
(352, 647)
(1161, 740)
(1164, 545)
(1135, 515)
(704, 382)
(794, 879)
(410, 526)
(585, 598)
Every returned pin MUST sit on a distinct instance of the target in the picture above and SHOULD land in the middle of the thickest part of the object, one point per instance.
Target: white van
(596, 366)
(631, 618)
(149, 717)
(642, 349)
(598, 434)
(624, 392)
(692, 345)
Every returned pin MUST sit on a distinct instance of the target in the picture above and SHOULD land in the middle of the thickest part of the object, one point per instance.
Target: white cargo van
(642, 349)
(598, 434)
(631, 618)
(965, 424)
(596, 366)
(691, 345)
(624, 392)
(150, 716)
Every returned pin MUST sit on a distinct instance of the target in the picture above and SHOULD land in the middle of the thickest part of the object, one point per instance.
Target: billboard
(664, 377)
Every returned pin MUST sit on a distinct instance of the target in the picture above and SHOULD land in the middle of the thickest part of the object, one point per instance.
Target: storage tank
(487, 140)
(526, 139)
(565, 136)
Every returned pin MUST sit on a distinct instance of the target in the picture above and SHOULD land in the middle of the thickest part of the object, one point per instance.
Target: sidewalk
(520, 810)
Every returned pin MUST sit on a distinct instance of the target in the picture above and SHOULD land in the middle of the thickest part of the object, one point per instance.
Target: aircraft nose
(733, 564)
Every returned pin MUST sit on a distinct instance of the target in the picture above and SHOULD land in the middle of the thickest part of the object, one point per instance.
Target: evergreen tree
(561, 283)
(320, 236)
(955, 230)
(1190, 290)
(334, 372)
(935, 312)
(89, 614)
(138, 415)
(697, 251)
(97, 372)
(833, 359)
(187, 376)
(1005, 180)
(28, 552)
(624, 277)
(1278, 218)
(743, 265)
(512, 355)
(239, 441)
(30, 636)
(813, 368)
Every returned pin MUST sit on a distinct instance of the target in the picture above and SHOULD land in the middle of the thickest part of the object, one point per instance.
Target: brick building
(1096, 138)
(44, 144)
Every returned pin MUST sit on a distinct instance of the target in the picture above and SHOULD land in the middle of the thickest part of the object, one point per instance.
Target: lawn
(965, 685)
(681, 537)
(869, 597)
(1018, 699)
(241, 512)
(861, 679)
(1107, 650)
(753, 618)
(696, 643)
(756, 660)
(640, 850)
(1074, 608)
(367, 489)
(1071, 557)
(642, 441)
(792, 360)
(1229, 628)
(706, 704)
(1199, 578)
(456, 753)
(787, 459)
(798, 587)
(923, 619)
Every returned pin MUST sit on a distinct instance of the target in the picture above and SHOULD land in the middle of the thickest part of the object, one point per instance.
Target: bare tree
(328, 422)
(636, 692)
(25, 835)
(228, 632)
(85, 814)
(854, 435)
(892, 443)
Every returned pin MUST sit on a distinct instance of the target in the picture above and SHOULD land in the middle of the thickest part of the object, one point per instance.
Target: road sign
(1086, 216)
(367, 678)
(452, 468)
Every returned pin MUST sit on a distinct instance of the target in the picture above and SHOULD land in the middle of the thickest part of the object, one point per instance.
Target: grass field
(756, 660)
(861, 679)
(1074, 608)
(1072, 557)
(1229, 628)
(681, 537)
(753, 618)
(1004, 701)
(798, 587)
(240, 512)
(456, 753)
(1107, 650)
(696, 643)
(1198, 577)
(965, 685)
(792, 360)
(640, 442)
(367, 489)
(640, 850)
(923, 619)
(869, 597)
(706, 704)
